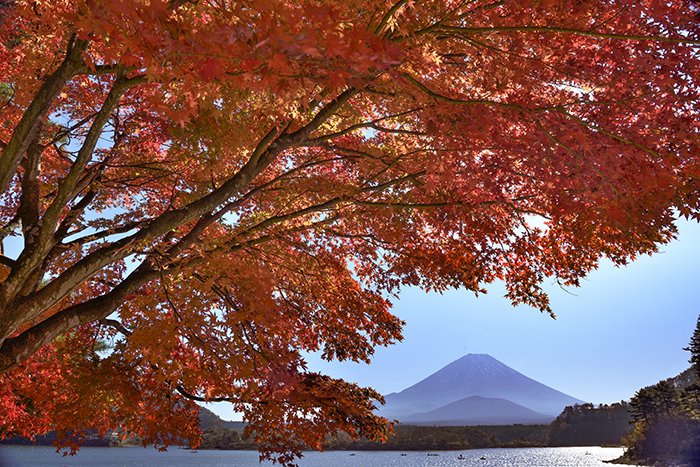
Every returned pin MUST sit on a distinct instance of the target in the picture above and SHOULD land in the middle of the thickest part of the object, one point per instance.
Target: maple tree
(213, 188)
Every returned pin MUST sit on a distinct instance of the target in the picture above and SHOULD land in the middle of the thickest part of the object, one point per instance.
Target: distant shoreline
(405, 438)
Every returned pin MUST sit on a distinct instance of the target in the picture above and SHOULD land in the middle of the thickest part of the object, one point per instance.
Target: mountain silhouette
(476, 375)
(477, 410)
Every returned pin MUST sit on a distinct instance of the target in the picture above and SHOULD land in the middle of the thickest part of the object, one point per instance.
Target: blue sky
(623, 329)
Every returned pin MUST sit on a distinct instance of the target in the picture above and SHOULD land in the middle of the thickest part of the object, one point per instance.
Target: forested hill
(667, 417)
(208, 420)
(666, 422)
(586, 425)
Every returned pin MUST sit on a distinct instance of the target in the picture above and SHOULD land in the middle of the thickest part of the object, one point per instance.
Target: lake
(42, 456)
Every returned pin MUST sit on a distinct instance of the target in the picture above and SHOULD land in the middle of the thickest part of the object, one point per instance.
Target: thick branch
(17, 349)
(28, 209)
(271, 144)
(34, 254)
(25, 132)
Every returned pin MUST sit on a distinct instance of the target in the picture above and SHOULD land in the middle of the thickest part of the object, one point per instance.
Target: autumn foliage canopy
(196, 193)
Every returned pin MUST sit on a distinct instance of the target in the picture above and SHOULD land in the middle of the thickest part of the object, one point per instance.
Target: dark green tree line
(589, 425)
(666, 416)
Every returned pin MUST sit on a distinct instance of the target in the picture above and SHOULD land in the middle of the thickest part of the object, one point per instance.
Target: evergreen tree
(694, 349)
(691, 394)
(665, 399)
(643, 405)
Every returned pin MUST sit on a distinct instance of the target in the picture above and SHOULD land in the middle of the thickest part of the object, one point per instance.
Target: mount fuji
(476, 389)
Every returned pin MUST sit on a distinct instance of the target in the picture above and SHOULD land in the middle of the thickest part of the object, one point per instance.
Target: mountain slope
(477, 410)
(208, 420)
(475, 375)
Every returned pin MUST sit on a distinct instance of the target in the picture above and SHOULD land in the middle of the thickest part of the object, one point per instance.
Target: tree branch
(16, 350)
(34, 254)
(28, 210)
(561, 30)
(25, 133)
(113, 323)
(453, 100)
(274, 142)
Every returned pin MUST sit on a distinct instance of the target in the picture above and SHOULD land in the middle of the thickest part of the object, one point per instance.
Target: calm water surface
(39, 456)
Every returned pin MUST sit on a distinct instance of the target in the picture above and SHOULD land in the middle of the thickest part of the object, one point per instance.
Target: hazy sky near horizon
(623, 329)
